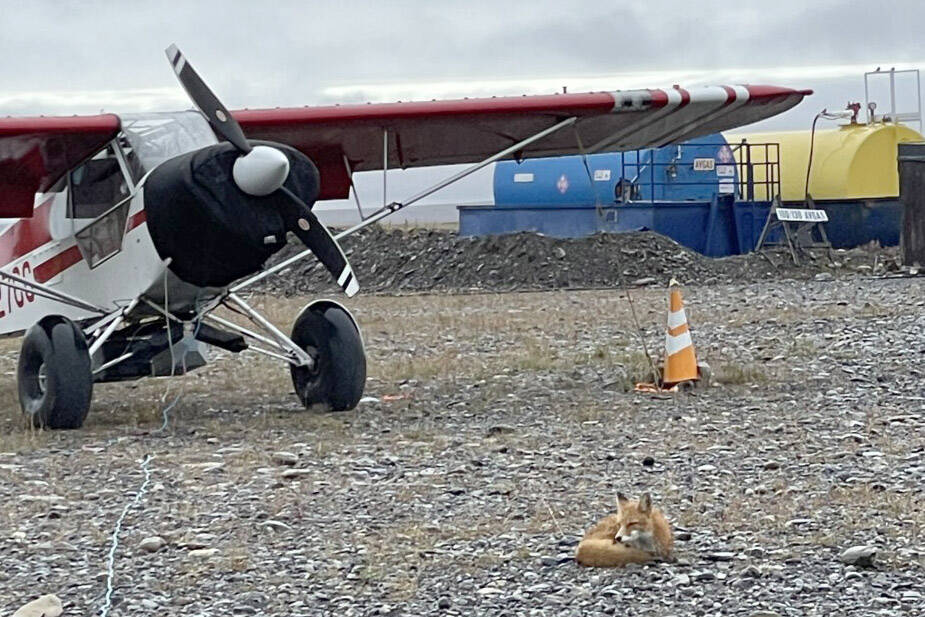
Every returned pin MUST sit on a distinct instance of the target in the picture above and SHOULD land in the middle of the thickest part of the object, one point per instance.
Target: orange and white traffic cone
(680, 361)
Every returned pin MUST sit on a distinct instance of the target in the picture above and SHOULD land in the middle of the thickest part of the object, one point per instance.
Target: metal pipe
(396, 206)
(113, 362)
(283, 340)
(918, 90)
(893, 95)
(356, 195)
(123, 165)
(385, 165)
(273, 270)
(162, 311)
(102, 338)
(242, 330)
(30, 290)
(266, 352)
(51, 294)
(101, 322)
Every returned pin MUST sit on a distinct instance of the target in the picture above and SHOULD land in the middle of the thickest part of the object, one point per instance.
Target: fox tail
(604, 553)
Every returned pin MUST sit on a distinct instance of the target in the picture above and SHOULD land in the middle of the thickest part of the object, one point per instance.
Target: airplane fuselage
(89, 237)
(44, 249)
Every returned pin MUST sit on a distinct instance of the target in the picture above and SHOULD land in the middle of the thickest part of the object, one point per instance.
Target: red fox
(637, 533)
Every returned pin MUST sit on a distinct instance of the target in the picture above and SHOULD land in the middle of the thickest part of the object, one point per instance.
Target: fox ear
(622, 500)
(645, 503)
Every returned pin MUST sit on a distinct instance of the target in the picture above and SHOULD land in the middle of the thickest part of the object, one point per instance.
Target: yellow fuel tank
(854, 161)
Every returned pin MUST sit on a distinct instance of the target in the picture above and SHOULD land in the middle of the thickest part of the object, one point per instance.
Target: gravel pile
(497, 429)
(425, 260)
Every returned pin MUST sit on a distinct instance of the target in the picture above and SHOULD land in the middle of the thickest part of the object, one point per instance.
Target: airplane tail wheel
(55, 374)
(330, 337)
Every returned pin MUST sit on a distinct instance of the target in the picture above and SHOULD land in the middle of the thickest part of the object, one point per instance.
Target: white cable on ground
(111, 560)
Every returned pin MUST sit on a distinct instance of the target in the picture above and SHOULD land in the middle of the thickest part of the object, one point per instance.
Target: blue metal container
(688, 192)
(694, 171)
(708, 194)
(859, 221)
(716, 228)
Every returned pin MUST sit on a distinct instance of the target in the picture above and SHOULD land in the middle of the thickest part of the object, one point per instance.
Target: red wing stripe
(57, 264)
(731, 94)
(659, 98)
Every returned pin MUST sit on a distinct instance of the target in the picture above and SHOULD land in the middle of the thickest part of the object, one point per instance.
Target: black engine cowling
(213, 232)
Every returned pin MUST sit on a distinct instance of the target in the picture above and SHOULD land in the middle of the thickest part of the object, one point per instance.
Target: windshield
(153, 138)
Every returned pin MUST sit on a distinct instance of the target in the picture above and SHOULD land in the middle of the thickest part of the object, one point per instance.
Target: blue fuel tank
(693, 171)
(690, 192)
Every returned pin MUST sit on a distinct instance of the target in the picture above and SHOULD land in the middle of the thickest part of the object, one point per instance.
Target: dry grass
(737, 374)
(424, 338)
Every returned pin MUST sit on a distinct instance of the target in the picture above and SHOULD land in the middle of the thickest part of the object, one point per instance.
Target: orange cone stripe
(675, 304)
(680, 361)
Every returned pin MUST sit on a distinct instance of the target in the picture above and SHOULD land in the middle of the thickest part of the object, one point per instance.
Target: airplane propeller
(261, 170)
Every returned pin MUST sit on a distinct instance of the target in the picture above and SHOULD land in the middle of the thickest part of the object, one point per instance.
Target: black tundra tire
(54, 375)
(328, 334)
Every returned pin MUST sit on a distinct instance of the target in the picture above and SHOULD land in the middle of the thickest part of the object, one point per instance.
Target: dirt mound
(426, 260)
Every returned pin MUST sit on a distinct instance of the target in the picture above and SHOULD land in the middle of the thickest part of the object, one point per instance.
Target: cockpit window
(98, 205)
(96, 186)
(153, 138)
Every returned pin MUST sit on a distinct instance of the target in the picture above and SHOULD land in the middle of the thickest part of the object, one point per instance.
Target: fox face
(636, 523)
(637, 533)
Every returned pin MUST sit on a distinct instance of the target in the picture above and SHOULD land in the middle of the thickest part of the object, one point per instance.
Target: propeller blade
(312, 232)
(218, 116)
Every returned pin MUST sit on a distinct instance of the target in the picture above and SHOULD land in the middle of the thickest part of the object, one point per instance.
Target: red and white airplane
(133, 228)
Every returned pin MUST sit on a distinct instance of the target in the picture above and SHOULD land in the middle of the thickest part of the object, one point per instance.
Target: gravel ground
(390, 260)
(501, 428)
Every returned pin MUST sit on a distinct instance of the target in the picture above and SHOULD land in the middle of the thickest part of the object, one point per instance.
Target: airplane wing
(469, 130)
(36, 152)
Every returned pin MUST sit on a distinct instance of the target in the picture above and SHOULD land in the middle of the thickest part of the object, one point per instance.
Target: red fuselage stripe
(50, 268)
(136, 219)
(57, 264)
(25, 235)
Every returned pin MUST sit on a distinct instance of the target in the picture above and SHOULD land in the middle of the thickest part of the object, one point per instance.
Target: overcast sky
(80, 57)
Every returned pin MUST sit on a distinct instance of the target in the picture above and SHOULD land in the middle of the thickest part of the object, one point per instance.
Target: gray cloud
(79, 57)
(286, 52)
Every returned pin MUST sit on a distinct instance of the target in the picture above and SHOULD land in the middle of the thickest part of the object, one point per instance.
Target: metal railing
(757, 173)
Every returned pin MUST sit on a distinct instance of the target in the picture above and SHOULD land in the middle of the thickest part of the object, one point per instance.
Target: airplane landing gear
(328, 333)
(55, 375)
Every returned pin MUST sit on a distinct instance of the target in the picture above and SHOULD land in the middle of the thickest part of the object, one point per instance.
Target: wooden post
(912, 196)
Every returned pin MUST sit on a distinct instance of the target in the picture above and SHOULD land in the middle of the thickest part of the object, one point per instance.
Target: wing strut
(395, 206)
(20, 283)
